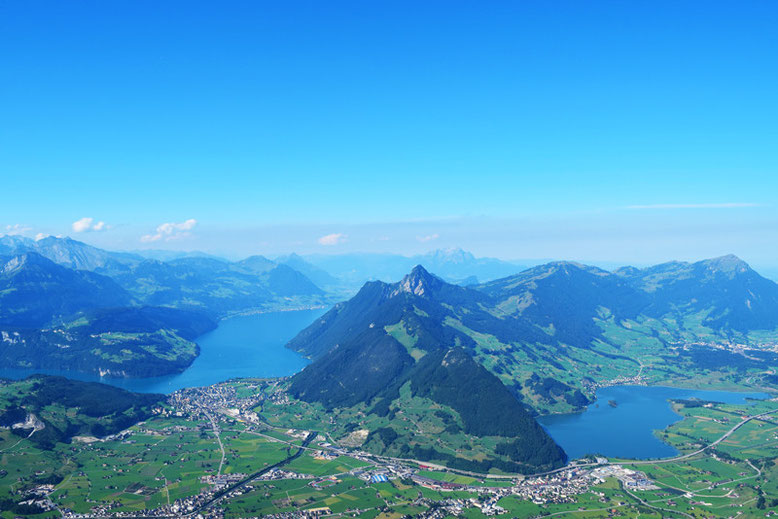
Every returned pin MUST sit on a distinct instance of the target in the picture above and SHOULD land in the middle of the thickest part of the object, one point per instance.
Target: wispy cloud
(87, 224)
(727, 205)
(332, 239)
(429, 237)
(17, 229)
(170, 231)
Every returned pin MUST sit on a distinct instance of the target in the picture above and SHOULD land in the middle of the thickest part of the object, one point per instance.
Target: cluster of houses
(632, 479)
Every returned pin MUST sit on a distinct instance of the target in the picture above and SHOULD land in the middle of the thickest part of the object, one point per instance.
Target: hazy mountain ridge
(454, 265)
(319, 276)
(738, 297)
(67, 252)
(35, 291)
(189, 280)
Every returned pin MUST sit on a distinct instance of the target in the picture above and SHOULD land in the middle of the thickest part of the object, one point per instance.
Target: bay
(242, 346)
(627, 430)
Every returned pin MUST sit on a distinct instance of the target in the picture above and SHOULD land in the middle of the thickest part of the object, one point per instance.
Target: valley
(388, 260)
(418, 396)
(243, 448)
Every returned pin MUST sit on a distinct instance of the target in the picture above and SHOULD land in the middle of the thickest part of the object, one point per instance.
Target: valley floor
(214, 451)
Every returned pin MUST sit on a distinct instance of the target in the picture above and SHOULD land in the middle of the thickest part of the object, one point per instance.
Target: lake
(626, 430)
(244, 346)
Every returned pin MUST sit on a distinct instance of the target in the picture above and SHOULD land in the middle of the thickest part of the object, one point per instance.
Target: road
(222, 493)
(638, 462)
(721, 439)
(218, 439)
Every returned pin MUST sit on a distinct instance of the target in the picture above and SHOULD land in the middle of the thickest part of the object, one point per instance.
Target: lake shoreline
(629, 430)
(248, 346)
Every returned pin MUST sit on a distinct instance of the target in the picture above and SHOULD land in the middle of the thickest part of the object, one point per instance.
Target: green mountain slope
(363, 362)
(130, 341)
(555, 332)
(733, 296)
(50, 409)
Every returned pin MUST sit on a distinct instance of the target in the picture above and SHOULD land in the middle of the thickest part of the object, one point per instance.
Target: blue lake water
(245, 346)
(253, 346)
(627, 429)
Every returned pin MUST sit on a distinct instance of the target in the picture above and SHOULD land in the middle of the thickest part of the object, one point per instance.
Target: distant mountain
(395, 336)
(454, 265)
(67, 252)
(256, 264)
(167, 255)
(35, 291)
(60, 409)
(730, 294)
(457, 265)
(218, 287)
(285, 281)
(188, 280)
(320, 277)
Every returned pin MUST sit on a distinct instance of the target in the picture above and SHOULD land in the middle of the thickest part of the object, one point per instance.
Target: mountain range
(538, 341)
(454, 265)
(50, 287)
(439, 368)
(212, 285)
(70, 306)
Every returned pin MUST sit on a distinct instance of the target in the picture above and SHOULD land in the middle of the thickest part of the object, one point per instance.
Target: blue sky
(632, 131)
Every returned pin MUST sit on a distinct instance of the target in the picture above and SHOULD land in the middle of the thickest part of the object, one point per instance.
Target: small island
(613, 403)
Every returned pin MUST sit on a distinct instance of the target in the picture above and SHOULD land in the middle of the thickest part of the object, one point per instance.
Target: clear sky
(632, 130)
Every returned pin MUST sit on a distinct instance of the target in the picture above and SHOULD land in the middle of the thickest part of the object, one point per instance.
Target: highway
(222, 493)
(218, 496)
(713, 444)
(567, 467)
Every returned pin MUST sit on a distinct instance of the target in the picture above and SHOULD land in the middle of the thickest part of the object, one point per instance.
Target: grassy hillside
(135, 341)
(555, 332)
(47, 410)
(371, 369)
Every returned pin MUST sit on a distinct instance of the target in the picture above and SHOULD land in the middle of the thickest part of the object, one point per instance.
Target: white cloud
(87, 224)
(17, 229)
(727, 205)
(429, 237)
(170, 231)
(332, 239)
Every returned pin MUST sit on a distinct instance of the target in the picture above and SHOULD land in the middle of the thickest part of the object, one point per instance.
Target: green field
(165, 458)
